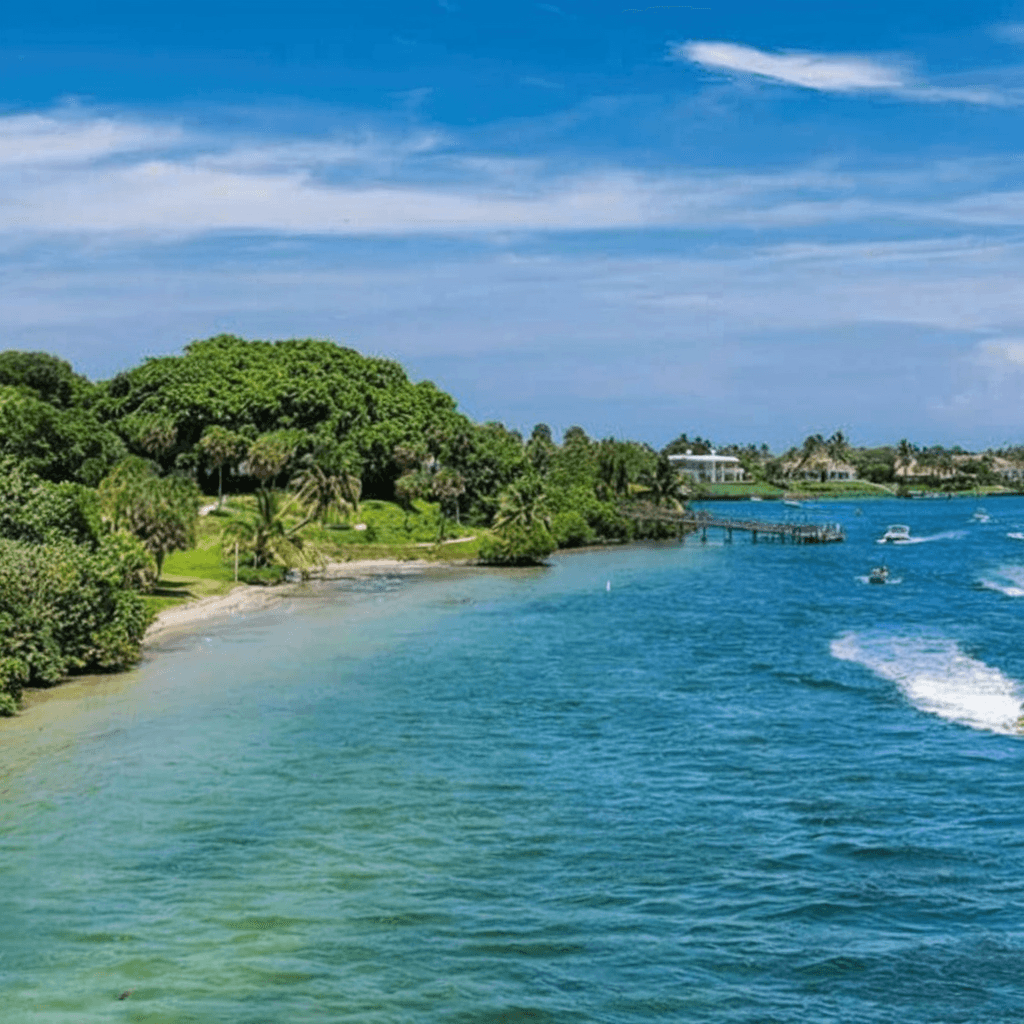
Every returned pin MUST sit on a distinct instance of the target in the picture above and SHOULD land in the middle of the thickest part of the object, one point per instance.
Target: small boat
(880, 574)
(981, 516)
(791, 503)
(756, 497)
(896, 532)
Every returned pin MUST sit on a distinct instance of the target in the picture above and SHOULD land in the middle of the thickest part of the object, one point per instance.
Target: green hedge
(64, 609)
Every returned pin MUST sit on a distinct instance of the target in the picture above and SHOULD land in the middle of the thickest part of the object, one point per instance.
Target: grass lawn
(391, 532)
(741, 490)
(841, 489)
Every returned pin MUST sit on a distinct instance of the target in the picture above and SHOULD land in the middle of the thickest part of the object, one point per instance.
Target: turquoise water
(740, 785)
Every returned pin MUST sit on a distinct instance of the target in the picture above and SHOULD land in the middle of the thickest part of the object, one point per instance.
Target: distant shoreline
(861, 496)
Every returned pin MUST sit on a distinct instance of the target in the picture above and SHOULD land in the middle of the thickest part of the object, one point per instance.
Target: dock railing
(701, 521)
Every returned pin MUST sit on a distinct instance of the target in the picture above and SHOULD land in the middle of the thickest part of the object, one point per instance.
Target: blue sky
(746, 220)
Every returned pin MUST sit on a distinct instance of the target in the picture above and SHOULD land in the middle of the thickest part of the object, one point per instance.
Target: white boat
(791, 503)
(981, 516)
(756, 497)
(896, 532)
(880, 574)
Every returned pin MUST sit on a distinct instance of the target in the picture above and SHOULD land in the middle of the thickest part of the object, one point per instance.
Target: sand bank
(244, 599)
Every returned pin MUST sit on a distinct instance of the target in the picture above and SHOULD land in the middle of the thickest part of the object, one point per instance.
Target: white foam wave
(937, 677)
(1016, 536)
(892, 581)
(1008, 580)
(946, 535)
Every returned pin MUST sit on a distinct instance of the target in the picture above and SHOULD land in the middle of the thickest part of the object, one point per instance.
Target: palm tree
(522, 504)
(612, 469)
(664, 485)
(905, 455)
(319, 493)
(409, 487)
(838, 447)
(811, 446)
(221, 447)
(264, 533)
(447, 486)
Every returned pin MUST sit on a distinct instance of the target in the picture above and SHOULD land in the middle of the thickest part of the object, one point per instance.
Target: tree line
(102, 480)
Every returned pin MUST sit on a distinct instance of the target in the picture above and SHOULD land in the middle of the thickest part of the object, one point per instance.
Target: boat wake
(1016, 536)
(1008, 580)
(937, 677)
(892, 581)
(946, 535)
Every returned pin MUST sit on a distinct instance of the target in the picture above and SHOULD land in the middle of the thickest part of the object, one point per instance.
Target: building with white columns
(708, 469)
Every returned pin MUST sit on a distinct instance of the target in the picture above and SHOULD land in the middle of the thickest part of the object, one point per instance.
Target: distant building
(708, 469)
(962, 464)
(1010, 471)
(818, 466)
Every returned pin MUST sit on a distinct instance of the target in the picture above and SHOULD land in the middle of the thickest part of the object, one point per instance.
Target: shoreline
(191, 617)
(244, 599)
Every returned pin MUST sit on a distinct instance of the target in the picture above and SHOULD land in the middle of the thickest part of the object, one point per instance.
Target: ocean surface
(700, 782)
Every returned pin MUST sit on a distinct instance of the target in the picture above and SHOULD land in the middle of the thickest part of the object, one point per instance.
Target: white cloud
(1004, 353)
(75, 138)
(810, 70)
(653, 335)
(1009, 32)
(832, 73)
(104, 176)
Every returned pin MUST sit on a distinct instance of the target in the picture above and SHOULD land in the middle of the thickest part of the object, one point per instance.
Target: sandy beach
(244, 599)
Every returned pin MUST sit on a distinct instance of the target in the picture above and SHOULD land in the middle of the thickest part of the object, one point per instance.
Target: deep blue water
(740, 785)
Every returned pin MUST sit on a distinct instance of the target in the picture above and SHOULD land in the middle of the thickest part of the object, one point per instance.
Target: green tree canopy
(37, 511)
(324, 392)
(49, 379)
(160, 511)
(53, 442)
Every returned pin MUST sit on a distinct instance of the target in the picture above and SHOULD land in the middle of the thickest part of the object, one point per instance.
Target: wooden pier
(701, 522)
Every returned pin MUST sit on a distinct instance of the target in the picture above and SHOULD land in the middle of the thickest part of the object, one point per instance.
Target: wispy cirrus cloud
(102, 174)
(77, 137)
(106, 176)
(831, 73)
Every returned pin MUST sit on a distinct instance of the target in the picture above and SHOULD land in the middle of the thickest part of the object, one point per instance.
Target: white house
(708, 469)
(819, 466)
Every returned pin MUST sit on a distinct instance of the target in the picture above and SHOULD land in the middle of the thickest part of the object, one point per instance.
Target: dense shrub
(63, 610)
(518, 546)
(55, 443)
(267, 576)
(571, 530)
(38, 512)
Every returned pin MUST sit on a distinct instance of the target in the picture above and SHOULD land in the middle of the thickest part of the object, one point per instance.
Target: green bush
(518, 546)
(56, 443)
(39, 512)
(63, 610)
(266, 576)
(571, 530)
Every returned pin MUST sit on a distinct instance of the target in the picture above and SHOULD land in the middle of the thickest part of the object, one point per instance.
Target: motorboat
(879, 574)
(756, 497)
(895, 533)
(791, 503)
(981, 516)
